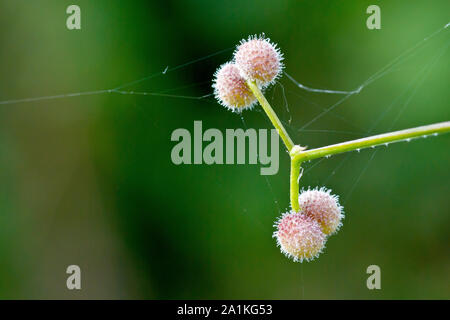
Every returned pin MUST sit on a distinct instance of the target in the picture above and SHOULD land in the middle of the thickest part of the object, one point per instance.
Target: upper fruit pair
(255, 59)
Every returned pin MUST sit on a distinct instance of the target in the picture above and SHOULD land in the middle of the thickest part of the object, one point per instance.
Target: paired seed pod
(255, 59)
(324, 207)
(299, 237)
(230, 88)
(302, 235)
(259, 60)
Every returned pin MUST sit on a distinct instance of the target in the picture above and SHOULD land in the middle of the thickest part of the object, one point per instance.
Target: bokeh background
(88, 180)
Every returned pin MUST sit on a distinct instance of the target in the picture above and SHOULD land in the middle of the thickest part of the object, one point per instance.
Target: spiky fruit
(299, 237)
(231, 89)
(321, 205)
(259, 60)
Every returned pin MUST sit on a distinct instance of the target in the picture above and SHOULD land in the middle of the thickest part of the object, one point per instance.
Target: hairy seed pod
(322, 206)
(230, 88)
(259, 60)
(299, 237)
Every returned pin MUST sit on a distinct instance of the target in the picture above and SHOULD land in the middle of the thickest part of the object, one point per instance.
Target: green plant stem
(293, 149)
(372, 141)
(295, 177)
(299, 154)
(271, 114)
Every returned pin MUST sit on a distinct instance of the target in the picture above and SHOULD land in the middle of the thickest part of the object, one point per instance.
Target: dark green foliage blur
(88, 180)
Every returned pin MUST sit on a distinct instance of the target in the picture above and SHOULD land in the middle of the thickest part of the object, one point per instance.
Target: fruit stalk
(271, 114)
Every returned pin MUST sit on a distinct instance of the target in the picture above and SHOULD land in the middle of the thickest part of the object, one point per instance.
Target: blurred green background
(88, 180)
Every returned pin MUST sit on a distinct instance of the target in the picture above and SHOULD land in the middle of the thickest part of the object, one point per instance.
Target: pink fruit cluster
(230, 88)
(259, 60)
(302, 235)
(255, 59)
(299, 236)
(323, 207)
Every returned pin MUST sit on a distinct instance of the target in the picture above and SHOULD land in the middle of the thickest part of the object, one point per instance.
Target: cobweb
(406, 96)
(283, 94)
